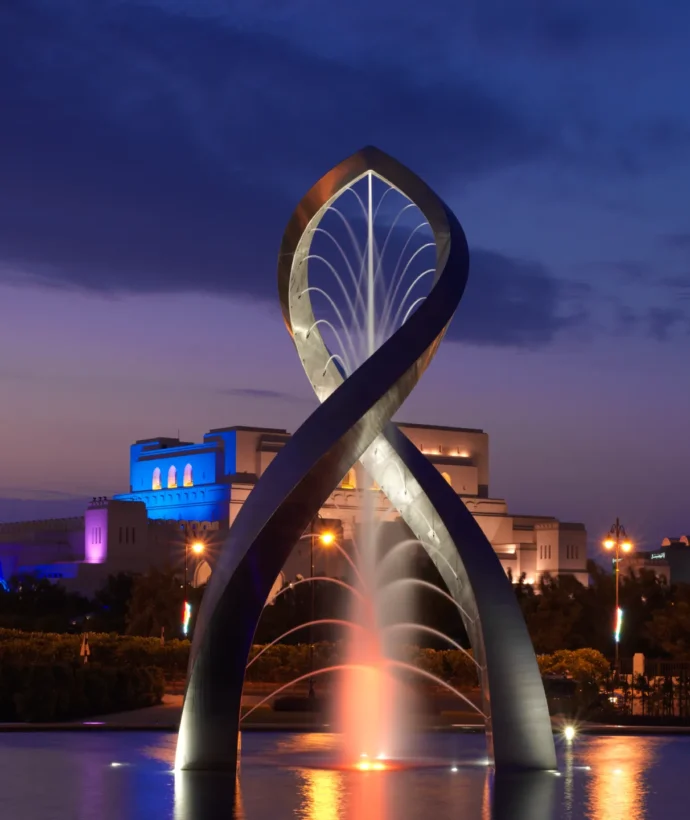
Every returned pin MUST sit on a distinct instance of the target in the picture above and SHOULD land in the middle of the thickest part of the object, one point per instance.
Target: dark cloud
(516, 302)
(679, 286)
(161, 147)
(678, 241)
(145, 151)
(561, 28)
(663, 322)
(629, 269)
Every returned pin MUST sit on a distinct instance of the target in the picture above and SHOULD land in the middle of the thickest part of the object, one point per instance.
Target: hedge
(108, 650)
(46, 692)
(278, 664)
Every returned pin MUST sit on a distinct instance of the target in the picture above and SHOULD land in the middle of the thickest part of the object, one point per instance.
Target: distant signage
(657, 556)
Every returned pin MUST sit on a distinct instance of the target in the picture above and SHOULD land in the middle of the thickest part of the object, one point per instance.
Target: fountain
(363, 361)
(365, 330)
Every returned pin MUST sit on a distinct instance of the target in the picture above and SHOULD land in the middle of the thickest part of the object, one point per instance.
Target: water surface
(128, 776)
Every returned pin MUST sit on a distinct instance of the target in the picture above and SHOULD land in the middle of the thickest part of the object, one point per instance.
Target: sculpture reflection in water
(333, 794)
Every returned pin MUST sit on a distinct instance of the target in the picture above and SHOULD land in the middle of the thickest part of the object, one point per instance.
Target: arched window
(188, 479)
(156, 483)
(172, 478)
(448, 478)
(350, 480)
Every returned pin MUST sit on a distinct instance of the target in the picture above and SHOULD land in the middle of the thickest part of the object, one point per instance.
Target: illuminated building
(180, 490)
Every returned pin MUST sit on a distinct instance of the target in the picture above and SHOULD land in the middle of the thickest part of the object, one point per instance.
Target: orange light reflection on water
(617, 787)
(354, 793)
(322, 794)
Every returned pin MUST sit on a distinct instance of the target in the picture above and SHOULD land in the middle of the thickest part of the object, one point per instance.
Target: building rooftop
(164, 441)
(244, 429)
(75, 522)
(440, 427)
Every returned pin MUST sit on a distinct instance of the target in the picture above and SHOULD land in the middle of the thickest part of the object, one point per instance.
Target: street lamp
(326, 538)
(197, 548)
(617, 540)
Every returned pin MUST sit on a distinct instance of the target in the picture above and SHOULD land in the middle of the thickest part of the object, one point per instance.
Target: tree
(669, 628)
(156, 603)
(112, 601)
(33, 603)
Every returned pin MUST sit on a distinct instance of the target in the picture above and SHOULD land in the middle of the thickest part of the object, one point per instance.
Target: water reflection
(207, 796)
(71, 776)
(618, 784)
(368, 800)
(524, 796)
(321, 791)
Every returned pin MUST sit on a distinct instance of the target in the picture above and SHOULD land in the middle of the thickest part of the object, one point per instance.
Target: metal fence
(662, 692)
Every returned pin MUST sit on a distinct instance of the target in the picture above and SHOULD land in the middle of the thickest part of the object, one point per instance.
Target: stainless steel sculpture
(351, 424)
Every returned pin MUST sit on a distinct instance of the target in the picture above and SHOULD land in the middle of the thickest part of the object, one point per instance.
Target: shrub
(55, 692)
(583, 665)
(106, 649)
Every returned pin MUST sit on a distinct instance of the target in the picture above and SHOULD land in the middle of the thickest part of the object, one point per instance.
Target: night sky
(151, 154)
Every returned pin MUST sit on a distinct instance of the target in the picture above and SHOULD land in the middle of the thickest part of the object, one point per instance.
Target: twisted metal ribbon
(353, 424)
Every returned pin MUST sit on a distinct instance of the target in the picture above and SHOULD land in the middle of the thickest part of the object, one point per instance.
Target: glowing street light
(617, 540)
(326, 538)
(197, 547)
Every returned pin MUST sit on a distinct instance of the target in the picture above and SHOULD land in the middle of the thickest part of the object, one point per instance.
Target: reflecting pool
(128, 776)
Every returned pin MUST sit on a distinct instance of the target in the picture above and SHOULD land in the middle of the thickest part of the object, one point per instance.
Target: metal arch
(351, 424)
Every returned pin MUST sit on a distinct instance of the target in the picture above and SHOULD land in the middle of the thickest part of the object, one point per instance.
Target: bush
(106, 649)
(135, 670)
(583, 665)
(54, 692)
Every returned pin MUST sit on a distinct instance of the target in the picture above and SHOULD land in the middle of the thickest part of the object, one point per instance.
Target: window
(350, 480)
(448, 478)
(188, 480)
(172, 478)
(156, 483)
(541, 551)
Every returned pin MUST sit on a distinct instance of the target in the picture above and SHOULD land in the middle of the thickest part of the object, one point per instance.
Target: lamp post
(326, 538)
(197, 548)
(617, 540)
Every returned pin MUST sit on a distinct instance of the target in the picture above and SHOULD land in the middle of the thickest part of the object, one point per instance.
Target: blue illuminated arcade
(183, 481)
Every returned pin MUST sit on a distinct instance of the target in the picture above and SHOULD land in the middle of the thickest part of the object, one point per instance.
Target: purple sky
(152, 152)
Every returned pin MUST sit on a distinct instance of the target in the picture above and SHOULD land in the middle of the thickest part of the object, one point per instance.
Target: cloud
(160, 147)
(678, 241)
(516, 302)
(663, 322)
(145, 151)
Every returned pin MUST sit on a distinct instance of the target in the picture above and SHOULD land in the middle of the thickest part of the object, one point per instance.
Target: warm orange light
(609, 544)
(326, 538)
(370, 766)
(626, 546)
(197, 547)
